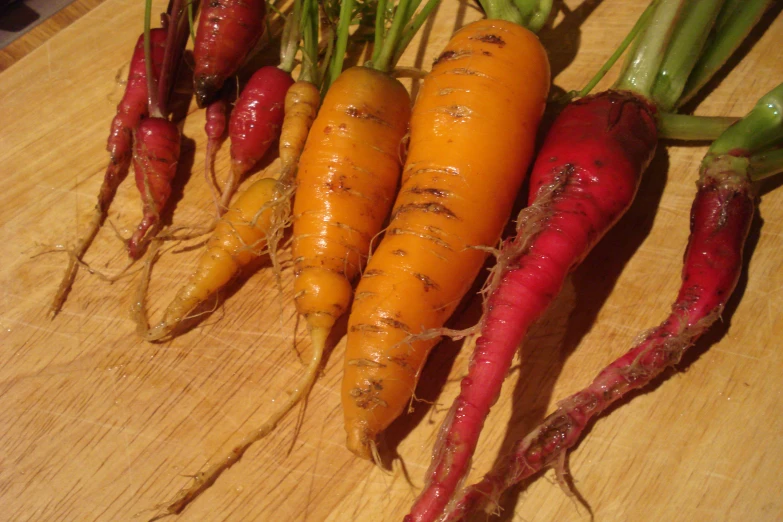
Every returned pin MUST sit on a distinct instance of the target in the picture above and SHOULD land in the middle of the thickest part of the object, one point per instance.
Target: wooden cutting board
(98, 425)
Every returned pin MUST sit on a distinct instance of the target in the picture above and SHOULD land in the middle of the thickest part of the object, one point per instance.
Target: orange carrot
(301, 106)
(348, 174)
(472, 136)
(349, 170)
(239, 237)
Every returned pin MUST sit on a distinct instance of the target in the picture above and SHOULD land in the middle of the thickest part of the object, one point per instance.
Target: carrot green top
(678, 45)
(394, 28)
(301, 26)
(532, 14)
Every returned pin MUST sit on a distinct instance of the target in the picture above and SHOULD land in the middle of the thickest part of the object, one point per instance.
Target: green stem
(734, 23)
(526, 9)
(343, 27)
(290, 38)
(385, 58)
(692, 128)
(413, 27)
(766, 164)
(644, 60)
(541, 15)
(380, 30)
(152, 87)
(641, 23)
(502, 10)
(683, 51)
(760, 129)
(309, 30)
(191, 23)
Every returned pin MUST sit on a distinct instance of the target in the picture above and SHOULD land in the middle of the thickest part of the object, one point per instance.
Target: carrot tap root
(155, 157)
(239, 237)
(205, 478)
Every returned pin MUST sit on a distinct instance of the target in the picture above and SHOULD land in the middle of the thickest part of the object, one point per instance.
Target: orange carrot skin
(348, 173)
(721, 215)
(257, 117)
(155, 156)
(227, 32)
(472, 137)
(301, 107)
(131, 109)
(239, 237)
(584, 178)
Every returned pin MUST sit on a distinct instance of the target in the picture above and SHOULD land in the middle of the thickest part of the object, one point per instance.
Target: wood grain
(97, 425)
(39, 34)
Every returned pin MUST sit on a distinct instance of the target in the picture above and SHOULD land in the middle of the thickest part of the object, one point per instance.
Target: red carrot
(157, 140)
(216, 116)
(584, 179)
(155, 156)
(131, 109)
(721, 215)
(227, 32)
(720, 220)
(255, 123)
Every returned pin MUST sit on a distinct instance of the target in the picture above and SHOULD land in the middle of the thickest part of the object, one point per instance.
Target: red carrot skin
(227, 32)
(255, 123)
(215, 125)
(215, 128)
(131, 109)
(720, 219)
(584, 179)
(155, 156)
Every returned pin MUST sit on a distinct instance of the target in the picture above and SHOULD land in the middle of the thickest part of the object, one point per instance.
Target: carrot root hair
(204, 479)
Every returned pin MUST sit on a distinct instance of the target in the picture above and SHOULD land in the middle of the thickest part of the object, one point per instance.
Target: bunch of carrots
(396, 205)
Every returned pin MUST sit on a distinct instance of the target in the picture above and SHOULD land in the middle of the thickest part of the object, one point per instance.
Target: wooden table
(98, 425)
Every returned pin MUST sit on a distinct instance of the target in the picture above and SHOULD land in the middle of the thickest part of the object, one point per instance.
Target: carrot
(584, 179)
(301, 106)
(157, 140)
(239, 237)
(255, 123)
(155, 156)
(348, 173)
(721, 214)
(131, 109)
(227, 32)
(472, 136)
(216, 116)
